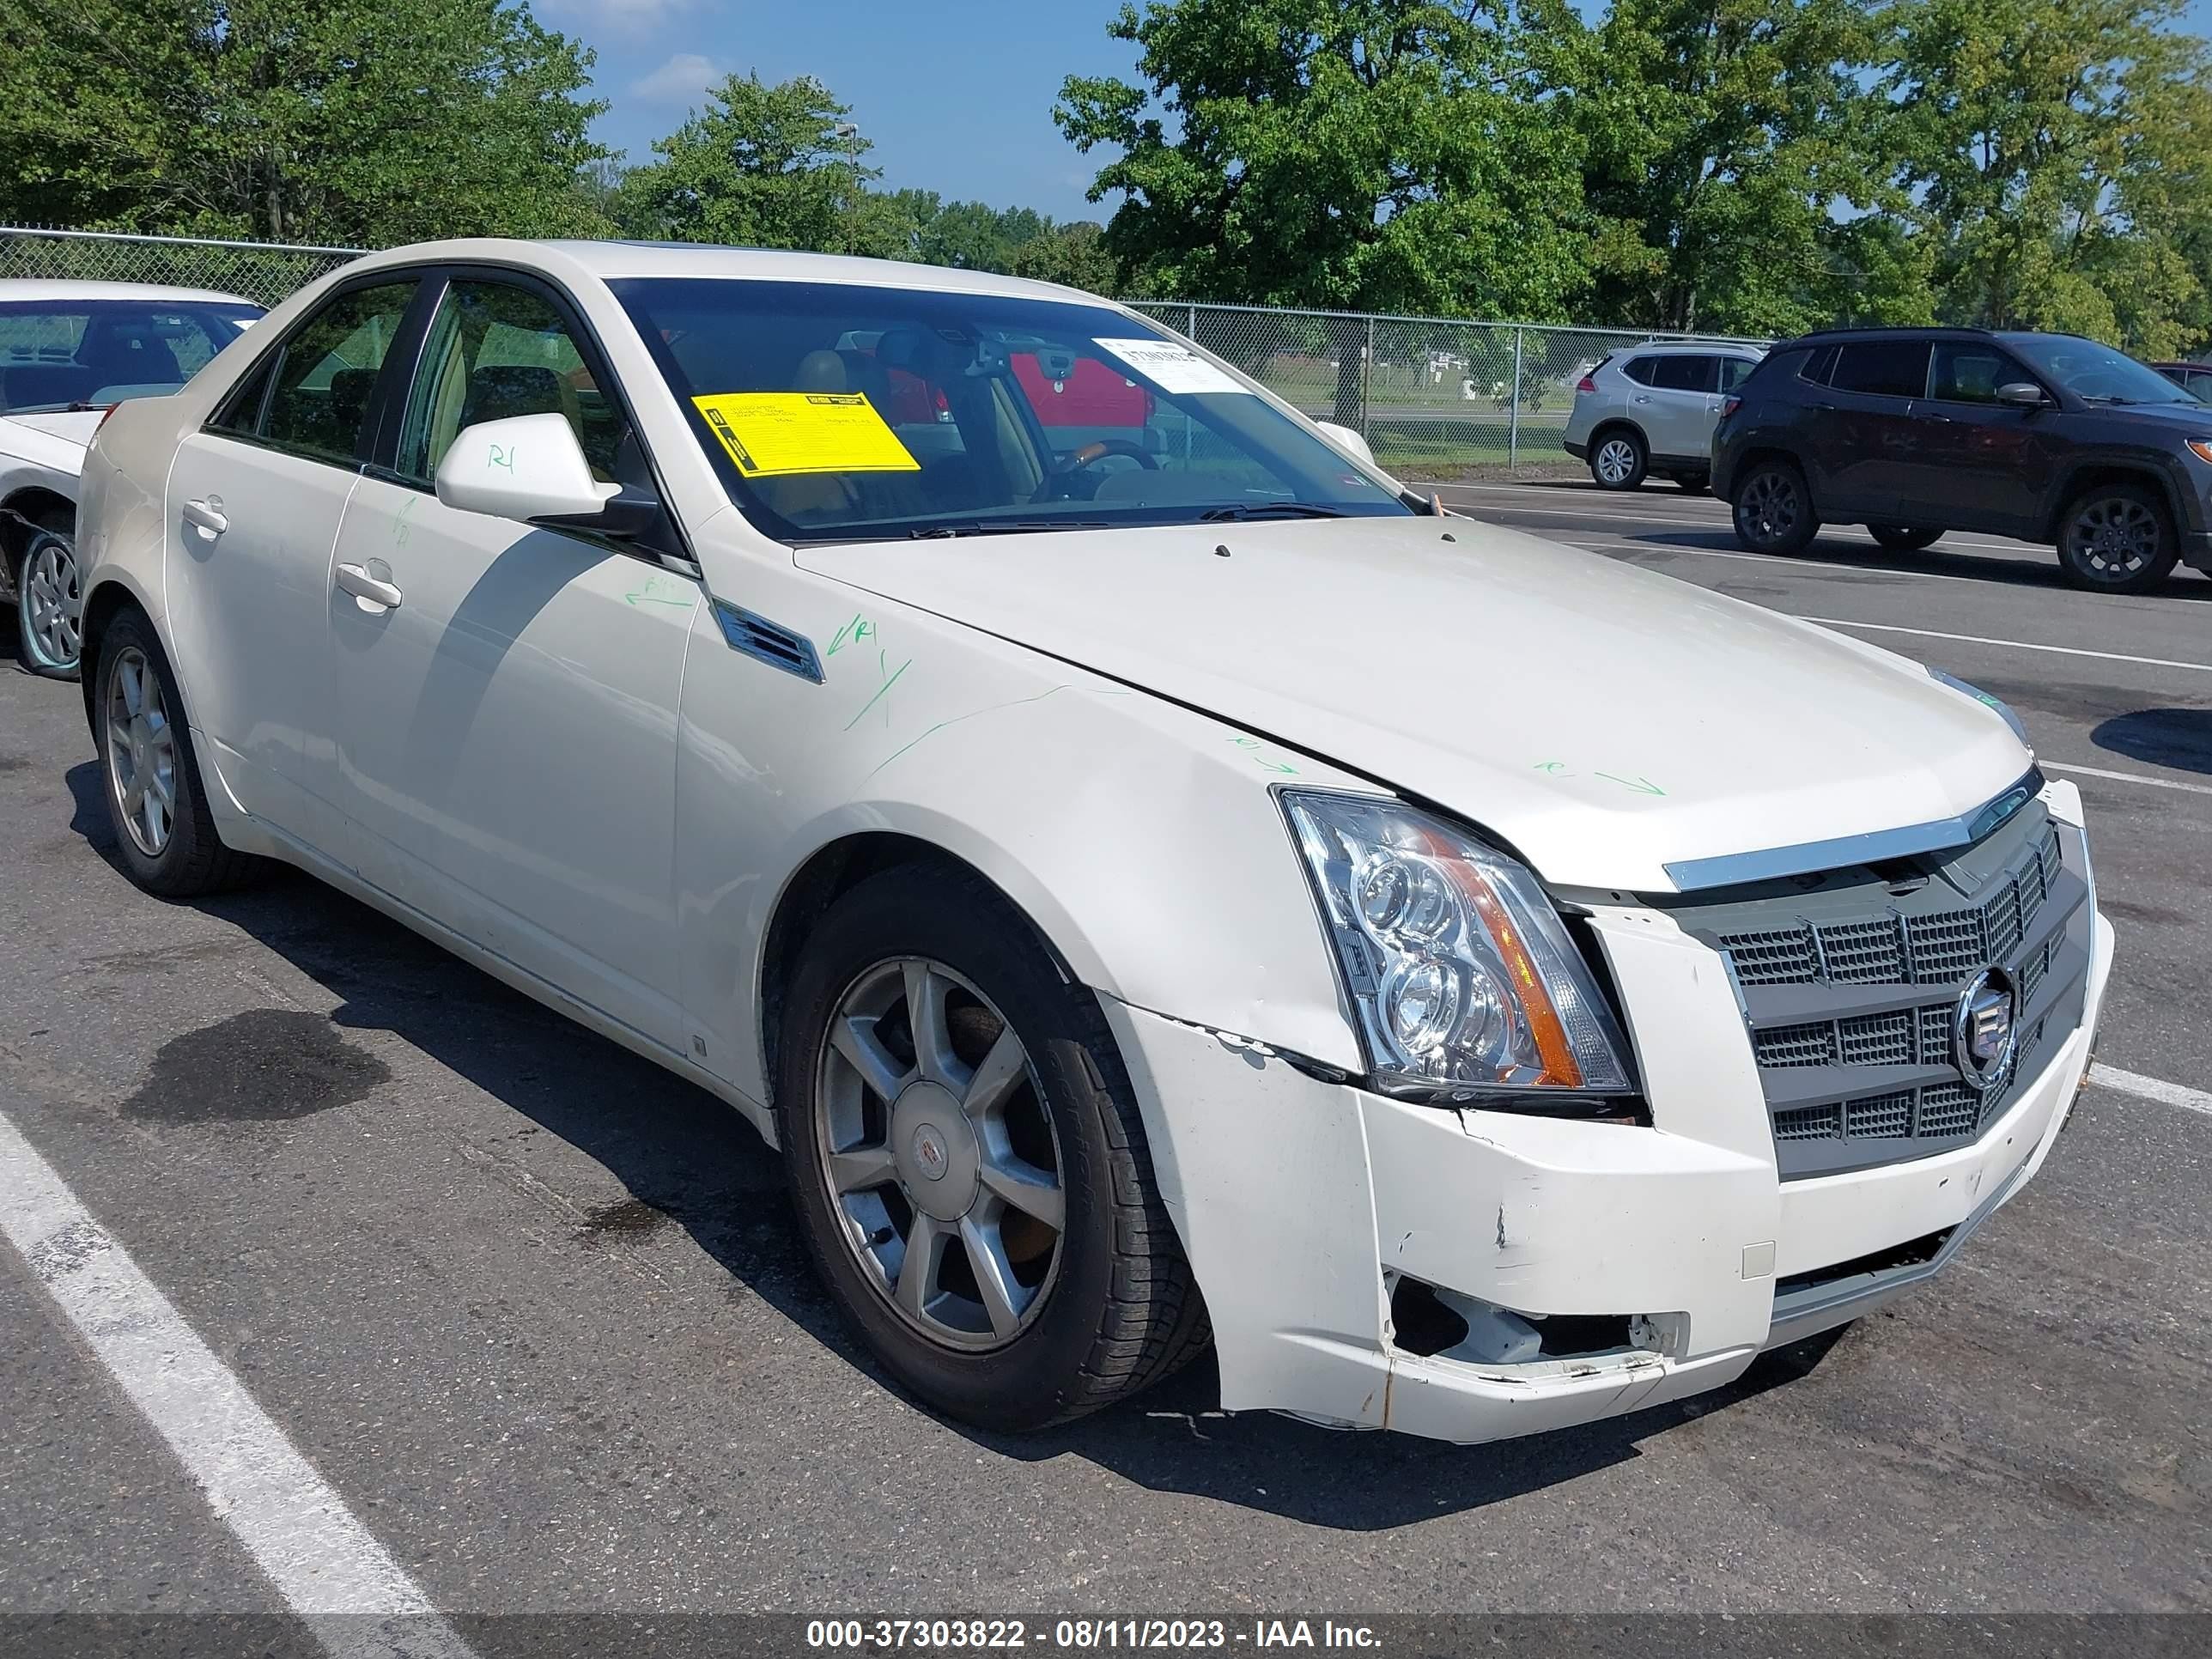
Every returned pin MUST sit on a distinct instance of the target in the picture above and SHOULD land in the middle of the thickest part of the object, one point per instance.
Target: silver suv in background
(1651, 409)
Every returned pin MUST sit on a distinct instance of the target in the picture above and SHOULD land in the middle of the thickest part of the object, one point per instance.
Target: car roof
(1669, 348)
(40, 289)
(614, 261)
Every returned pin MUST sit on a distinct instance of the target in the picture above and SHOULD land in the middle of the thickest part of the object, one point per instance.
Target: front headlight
(2018, 729)
(1465, 980)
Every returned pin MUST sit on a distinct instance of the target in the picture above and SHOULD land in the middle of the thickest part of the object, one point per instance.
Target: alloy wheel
(54, 604)
(2114, 537)
(939, 1155)
(141, 751)
(1769, 509)
(1615, 461)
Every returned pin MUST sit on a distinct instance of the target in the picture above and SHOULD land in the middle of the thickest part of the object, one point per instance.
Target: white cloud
(683, 79)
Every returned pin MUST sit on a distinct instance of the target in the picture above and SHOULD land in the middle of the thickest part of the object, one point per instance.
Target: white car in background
(1650, 410)
(69, 350)
(1147, 885)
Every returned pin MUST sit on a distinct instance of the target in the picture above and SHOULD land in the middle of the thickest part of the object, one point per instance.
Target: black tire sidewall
(923, 910)
(165, 874)
(2150, 576)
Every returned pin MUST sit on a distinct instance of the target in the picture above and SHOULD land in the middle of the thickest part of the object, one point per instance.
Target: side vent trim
(768, 642)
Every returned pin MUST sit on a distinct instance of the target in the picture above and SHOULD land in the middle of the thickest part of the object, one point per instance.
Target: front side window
(1882, 368)
(1968, 371)
(1685, 373)
(2096, 373)
(326, 373)
(63, 354)
(853, 412)
(494, 351)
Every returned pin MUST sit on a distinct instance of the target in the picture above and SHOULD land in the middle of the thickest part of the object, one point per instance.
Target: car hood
(2197, 417)
(1603, 720)
(74, 426)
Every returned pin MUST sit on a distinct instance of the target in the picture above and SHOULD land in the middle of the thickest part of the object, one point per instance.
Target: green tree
(2056, 152)
(764, 165)
(1729, 142)
(348, 121)
(1381, 155)
(1074, 255)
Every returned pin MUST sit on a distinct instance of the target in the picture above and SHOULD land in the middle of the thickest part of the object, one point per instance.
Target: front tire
(1618, 459)
(1900, 538)
(1773, 509)
(968, 1161)
(2117, 538)
(155, 801)
(50, 602)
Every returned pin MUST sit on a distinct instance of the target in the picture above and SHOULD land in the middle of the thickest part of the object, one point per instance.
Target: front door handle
(358, 582)
(208, 515)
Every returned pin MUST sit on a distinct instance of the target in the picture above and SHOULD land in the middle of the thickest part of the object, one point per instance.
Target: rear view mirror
(529, 467)
(1348, 441)
(2024, 394)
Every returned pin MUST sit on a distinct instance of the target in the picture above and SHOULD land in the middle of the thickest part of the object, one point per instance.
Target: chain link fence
(1433, 397)
(262, 271)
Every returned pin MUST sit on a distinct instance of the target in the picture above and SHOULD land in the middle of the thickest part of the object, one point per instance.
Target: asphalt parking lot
(537, 1316)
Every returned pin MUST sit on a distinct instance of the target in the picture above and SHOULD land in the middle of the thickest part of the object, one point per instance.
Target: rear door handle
(1641, 397)
(358, 582)
(208, 515)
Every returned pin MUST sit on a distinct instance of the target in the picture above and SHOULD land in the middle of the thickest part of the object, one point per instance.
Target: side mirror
(2021, 394)
(1348, 441)
(529, 467)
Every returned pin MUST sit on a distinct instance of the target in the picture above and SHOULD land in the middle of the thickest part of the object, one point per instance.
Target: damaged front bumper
(1324, 1222)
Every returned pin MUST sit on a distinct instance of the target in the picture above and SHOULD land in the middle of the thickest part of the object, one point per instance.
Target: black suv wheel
(1773, 510)
(2116, 538)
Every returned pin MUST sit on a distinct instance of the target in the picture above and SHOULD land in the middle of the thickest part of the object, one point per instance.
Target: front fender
(1140, 837)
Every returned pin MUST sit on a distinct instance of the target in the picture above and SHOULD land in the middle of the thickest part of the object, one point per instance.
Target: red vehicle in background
(1079, 400)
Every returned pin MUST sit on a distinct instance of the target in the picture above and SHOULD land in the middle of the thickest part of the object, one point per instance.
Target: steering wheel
(1091, 455)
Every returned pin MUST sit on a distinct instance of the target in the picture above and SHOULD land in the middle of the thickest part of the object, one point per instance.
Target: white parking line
(2151, 1088)
(329, 1570)
(2015, 645)
(2126, 777)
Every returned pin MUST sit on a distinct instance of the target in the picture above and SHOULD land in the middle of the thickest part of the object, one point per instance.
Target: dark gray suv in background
(1916, 431)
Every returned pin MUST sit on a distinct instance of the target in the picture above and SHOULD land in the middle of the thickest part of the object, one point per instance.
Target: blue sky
(957, 94)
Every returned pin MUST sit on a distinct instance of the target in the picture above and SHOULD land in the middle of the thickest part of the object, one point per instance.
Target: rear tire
(2117, 538)
(1618, 459)
(50, 601)
(1899, 538)
(895, 1146)
(1773, 509)
(150, 777)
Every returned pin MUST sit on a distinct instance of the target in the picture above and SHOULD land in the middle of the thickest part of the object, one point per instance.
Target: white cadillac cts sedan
(1153, 879)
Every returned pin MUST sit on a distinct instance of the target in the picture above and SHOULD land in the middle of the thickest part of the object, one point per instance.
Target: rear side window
(324, 373)
(1686, 374)
(1735, 371)
(1882, 368)
(1638, 369)
(1821, 365)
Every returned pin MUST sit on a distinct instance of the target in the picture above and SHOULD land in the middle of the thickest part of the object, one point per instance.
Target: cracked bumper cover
(1293, 1196)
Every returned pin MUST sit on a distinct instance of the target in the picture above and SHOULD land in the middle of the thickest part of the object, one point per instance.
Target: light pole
(850, 132)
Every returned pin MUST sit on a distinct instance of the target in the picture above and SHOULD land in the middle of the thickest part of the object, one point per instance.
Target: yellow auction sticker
(772, 435)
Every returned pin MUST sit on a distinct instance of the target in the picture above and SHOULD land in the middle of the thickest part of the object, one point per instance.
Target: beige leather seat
(820, 496)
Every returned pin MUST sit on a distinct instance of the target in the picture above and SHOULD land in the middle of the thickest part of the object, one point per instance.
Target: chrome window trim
(1806, 858)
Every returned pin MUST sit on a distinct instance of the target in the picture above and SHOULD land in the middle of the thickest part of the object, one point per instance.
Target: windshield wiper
(1003, 527)
(1268, 510)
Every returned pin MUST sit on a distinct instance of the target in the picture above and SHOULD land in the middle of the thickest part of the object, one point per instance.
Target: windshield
(847, 412)
(2097, 374)
(86, 354)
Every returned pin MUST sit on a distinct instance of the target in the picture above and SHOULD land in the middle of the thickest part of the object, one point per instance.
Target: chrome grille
(1891, 951)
